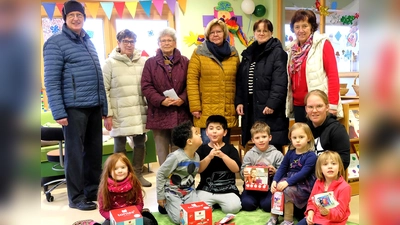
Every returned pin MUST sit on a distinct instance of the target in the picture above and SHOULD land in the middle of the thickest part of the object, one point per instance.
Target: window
(94, 27)
(345, 42)
(147, 32)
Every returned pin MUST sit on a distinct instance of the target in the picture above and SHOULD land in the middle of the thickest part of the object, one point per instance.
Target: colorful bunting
(182, 5)
(107, 7)
(93, 8)
(158, 4)
(146, 5)
(49, 8)
(60, 7)
(119, 6)
(144, 53)
(171, 5)
(131, 6)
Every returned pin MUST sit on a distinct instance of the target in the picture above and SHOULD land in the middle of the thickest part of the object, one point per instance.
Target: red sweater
(299, 86)
(338, 215)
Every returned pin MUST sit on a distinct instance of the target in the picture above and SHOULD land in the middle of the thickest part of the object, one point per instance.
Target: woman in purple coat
(165, 71)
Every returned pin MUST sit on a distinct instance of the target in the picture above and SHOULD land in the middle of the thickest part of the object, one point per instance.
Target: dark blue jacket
(72, 73)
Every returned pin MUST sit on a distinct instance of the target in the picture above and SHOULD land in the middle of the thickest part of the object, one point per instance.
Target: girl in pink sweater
(329, 171)
(119, 188)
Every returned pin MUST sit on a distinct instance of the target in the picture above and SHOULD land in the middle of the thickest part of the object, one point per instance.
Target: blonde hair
(133, 197)
(318, 93)
(214, 22)
(260, 127)
(307, 130)
(326, 155)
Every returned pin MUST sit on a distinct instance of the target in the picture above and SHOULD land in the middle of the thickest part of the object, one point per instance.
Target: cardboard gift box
(278, 200)
(256, 178)
(195, 213)
(126, 216)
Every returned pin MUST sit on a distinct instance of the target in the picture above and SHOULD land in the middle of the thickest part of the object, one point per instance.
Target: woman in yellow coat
(211, 79)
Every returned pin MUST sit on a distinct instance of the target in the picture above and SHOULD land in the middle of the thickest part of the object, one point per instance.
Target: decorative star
(54, 29)
(356, 15)
(150, 33)
(324, 10)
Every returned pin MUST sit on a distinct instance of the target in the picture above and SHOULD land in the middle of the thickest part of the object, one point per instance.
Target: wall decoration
(248, 6)
(193, 39)
(259, 11)
(224, 11)
(354, 167)
(334, 17)
(51, 27)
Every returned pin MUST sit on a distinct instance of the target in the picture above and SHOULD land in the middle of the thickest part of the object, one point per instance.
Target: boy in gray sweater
(175, 177)
(262, 154)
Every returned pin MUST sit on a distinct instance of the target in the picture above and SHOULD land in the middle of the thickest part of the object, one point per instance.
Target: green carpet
(257, 217)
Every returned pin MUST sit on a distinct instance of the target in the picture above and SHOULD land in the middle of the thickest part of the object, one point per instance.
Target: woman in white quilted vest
(311, 65)
(127, 108)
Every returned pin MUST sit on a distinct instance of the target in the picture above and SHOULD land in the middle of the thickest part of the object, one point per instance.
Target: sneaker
(285, 222)
(272, 221)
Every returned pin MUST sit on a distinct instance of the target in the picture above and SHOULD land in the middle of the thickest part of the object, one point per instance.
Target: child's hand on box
(271, 170)
(273, 187)
(282, 185)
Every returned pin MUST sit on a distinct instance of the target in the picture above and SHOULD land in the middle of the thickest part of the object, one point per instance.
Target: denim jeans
(83, 152)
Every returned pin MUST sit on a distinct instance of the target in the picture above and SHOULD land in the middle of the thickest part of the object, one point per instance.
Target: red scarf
(298, 55)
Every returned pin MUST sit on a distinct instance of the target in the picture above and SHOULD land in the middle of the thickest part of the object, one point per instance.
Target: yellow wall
(192, 20)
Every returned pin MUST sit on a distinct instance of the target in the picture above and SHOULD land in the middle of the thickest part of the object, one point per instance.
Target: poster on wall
(93, 27)
(354, 124)
(354, 167)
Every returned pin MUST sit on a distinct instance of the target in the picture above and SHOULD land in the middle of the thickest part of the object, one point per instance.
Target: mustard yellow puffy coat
(211, 85)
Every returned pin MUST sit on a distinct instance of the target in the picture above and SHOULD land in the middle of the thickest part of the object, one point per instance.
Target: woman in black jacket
(261, 85)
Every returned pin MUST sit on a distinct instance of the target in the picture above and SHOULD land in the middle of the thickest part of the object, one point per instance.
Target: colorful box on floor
(195, 213)
(256, 178)
(278, 200)
(126, 216)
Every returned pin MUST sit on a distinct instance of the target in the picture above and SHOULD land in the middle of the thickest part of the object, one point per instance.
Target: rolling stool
(57, 156)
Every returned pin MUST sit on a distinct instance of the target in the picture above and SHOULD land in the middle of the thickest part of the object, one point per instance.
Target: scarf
(121, 186)
(169, 62)
(299, 54)
(220, 52)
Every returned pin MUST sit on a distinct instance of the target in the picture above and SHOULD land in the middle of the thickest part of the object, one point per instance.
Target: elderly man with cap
(77, 99)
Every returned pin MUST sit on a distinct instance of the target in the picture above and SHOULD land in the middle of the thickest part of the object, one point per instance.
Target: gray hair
(167, 32)
(218, 22)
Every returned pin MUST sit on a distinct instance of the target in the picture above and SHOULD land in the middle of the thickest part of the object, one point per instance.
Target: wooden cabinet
(351, 123)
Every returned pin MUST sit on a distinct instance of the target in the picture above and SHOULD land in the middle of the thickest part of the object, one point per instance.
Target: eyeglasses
(126, 42)
(166, 41)
(318, 107)
(73, 15)
(217, 32)
(303, 27)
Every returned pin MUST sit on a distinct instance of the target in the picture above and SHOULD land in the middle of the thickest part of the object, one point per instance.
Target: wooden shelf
(350, 105)
(355, 187)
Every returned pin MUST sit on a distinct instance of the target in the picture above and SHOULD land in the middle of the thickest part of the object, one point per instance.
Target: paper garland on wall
(224, 11)
(93, 7)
